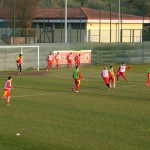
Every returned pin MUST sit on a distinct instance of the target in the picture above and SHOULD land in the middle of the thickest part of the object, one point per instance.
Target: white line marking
(64, 92)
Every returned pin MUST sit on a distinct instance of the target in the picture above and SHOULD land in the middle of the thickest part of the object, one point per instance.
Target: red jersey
(77, 58)
(123, 68)
(57, 57)
(50, 58)
(8, 85)
(69, 57)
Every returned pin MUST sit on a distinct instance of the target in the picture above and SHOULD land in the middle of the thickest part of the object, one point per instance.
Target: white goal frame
(21, 51)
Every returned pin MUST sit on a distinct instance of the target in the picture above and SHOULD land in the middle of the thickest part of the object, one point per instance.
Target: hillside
(138, 7)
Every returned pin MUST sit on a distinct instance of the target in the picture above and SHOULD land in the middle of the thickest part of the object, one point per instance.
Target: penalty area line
(64, 92)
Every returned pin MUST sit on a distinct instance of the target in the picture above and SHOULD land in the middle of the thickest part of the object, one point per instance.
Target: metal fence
(25, 36)
(102, 54)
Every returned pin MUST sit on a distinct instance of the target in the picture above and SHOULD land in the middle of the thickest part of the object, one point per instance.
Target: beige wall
(101, 32)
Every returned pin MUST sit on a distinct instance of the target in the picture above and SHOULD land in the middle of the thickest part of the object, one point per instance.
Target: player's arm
(115, 72)
(128, 67)
(80, 75)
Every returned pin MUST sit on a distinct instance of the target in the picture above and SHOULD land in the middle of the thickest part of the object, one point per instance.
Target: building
(87, 25)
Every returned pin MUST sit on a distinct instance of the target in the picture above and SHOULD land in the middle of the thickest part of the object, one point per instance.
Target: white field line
(65, 92)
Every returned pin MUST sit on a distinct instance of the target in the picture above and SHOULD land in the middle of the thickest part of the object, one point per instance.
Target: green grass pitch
(49, 116)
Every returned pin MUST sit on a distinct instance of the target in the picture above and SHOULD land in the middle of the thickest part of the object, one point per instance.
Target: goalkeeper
(19, 64)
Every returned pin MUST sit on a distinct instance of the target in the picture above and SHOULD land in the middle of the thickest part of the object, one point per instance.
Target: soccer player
(57, 58)
(49, 61)
(7, 88)
(77, 60)
(121, 71)
(112, 76)
(106, 77)
(19, 64)
(69, 60)
(77, 76)
(148, 75)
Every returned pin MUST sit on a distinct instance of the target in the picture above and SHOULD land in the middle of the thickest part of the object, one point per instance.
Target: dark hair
(10, 77)
(77, 67)
(20, 54)
(111, 66)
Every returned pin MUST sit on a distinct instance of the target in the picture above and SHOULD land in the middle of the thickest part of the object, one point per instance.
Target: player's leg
(71, 63)
(124, 76)
(8, 100)
(114, 81)
(57, 64)
(7, 95)
(47, 66)
(76, 85)
(19, 69)
(4, 94)
(148, 81)
(118, 75)
(50, 65)
(107, 82)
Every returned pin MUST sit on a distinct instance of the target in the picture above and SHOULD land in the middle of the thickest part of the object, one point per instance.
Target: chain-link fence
(32, 36)
(115, 53)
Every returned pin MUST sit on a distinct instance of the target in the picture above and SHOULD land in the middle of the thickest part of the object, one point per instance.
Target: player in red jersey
(77, 60)
(121, 71)
(106, 77)
(148, 75)
(7, 88)
(69, 60)
(57, 58)
(77, 76)
(49, 61)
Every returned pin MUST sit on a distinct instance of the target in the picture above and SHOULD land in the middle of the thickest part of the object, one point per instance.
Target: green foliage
(138, 7)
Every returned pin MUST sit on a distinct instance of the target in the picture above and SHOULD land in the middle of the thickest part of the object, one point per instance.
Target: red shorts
(50, 63)
(6, 93)
(121, 73)
(106, 79)
(57, 61)
(112, 78)
(69, 61)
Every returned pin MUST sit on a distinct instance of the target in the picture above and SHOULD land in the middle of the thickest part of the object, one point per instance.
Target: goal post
(9, 54)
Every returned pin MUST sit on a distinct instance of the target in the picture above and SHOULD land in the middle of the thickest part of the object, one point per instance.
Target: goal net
(9, 54)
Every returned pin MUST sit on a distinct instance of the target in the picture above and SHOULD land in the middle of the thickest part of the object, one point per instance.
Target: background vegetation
(137, 7)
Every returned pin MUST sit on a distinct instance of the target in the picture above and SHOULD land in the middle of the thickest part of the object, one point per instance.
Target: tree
(82, 2)
(22, 11)
(1, 3)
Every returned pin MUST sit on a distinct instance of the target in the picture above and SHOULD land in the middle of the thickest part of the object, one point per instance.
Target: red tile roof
(84, 13)
(78, 13)
(58, 13)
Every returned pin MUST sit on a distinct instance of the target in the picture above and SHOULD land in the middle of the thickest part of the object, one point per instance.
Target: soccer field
(49, 116)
